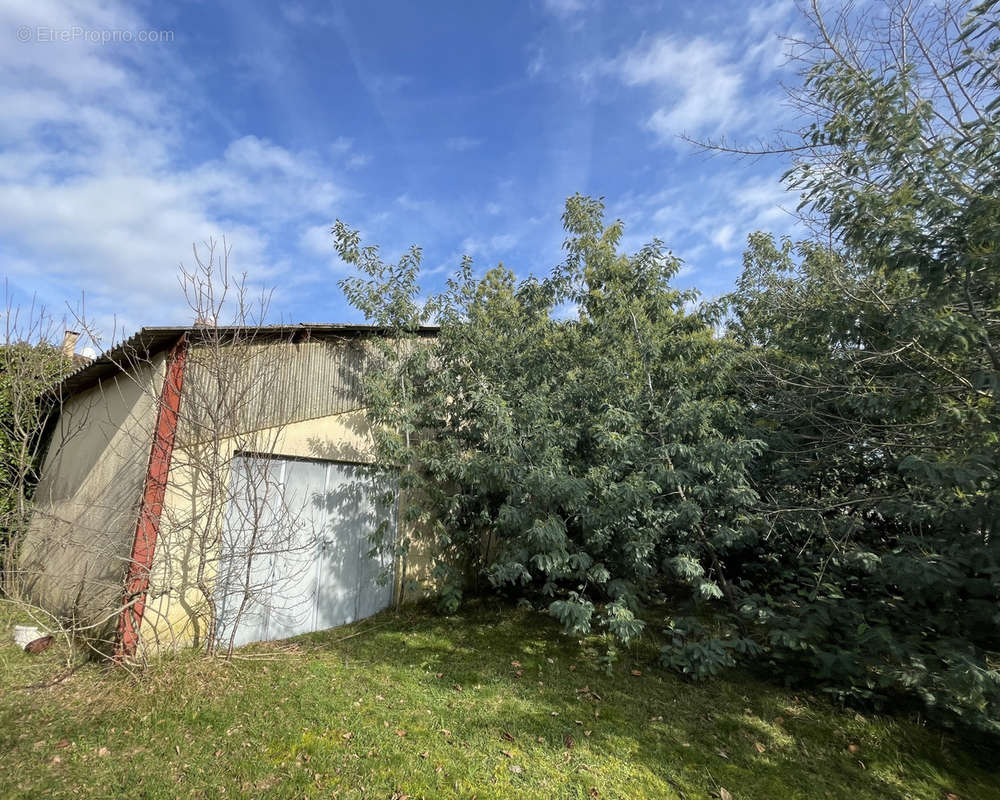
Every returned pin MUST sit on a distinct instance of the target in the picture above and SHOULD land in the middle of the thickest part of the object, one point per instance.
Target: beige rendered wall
(182, 583)
(73, 558)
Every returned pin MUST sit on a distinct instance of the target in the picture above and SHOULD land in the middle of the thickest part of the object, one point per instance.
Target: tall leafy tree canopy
(813, 458)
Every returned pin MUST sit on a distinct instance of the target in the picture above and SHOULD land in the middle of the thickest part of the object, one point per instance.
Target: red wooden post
(147, 527)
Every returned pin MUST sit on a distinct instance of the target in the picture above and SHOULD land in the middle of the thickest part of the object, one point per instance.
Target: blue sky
(458, 126)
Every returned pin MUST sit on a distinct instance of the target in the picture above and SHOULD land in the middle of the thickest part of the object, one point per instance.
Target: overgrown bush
(27, 369)
(583, 461)
(815, 458)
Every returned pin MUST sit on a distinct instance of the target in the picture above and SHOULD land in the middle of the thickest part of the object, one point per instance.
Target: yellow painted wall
(182, 581)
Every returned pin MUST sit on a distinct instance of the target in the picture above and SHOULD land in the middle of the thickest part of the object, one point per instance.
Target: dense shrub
(814, 459)
(26, 370)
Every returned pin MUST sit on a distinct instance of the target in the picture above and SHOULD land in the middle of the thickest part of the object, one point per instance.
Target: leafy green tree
(579, 461)
(824, 475)
(871, 373)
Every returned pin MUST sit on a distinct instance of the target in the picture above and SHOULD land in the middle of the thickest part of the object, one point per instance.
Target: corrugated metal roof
(151, 340)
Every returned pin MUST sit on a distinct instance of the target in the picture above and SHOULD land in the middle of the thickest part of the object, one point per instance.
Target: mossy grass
(490, 702)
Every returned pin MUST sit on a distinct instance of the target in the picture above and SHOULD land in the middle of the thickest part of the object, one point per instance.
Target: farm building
(207, 485)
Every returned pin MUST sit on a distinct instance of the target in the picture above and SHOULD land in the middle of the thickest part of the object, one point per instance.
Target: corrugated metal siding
(244, 387)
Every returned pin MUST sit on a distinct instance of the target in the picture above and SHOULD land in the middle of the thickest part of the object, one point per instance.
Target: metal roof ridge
(158, 336)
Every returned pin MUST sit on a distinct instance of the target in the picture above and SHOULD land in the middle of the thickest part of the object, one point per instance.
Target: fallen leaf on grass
(400, 732)
(515, 769)
(586, 691)
(445, 732)
(507, 753)
(347, 735)
(506, 736)
(515, 664)
(102, 751)
(568, 741)
(56, 760)
(63, 743)
(637, 672)
(424, 754)
(760, 748)
(724, 794)
(853, 748)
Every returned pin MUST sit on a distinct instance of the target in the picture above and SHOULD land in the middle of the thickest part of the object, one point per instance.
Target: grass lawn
(488, 703)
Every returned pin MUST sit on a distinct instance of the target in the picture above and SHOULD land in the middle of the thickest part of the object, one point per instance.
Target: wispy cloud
(565, 8)
(536, 62)
(462, 144)
(96, 186)
(700, 85)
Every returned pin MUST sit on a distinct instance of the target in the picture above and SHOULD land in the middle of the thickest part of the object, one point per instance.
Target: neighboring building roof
(151, 340)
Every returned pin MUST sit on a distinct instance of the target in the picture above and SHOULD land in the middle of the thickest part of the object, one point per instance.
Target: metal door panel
(293, 592)
(348, 587)
(304, 532)
(246, 570)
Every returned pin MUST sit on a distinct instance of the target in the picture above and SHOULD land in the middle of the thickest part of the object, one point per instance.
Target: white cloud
(722, 237)
(105, 201)
(317, 239)
(343, 148)
(706, 86)
(503, 242)
(537, 63)
(700, 84)
(766, 16)
(764, 201)
(341, 145)
(493, 245)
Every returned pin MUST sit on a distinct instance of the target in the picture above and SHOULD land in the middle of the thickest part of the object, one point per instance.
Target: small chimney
(69, 343)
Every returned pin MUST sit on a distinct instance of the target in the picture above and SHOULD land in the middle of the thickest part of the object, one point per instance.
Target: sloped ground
(492, 702)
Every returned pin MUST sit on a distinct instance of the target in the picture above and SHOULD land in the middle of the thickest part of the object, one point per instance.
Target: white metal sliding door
(299, 547)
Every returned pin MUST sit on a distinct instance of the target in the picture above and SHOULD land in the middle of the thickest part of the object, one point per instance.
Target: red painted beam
(147, 527)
